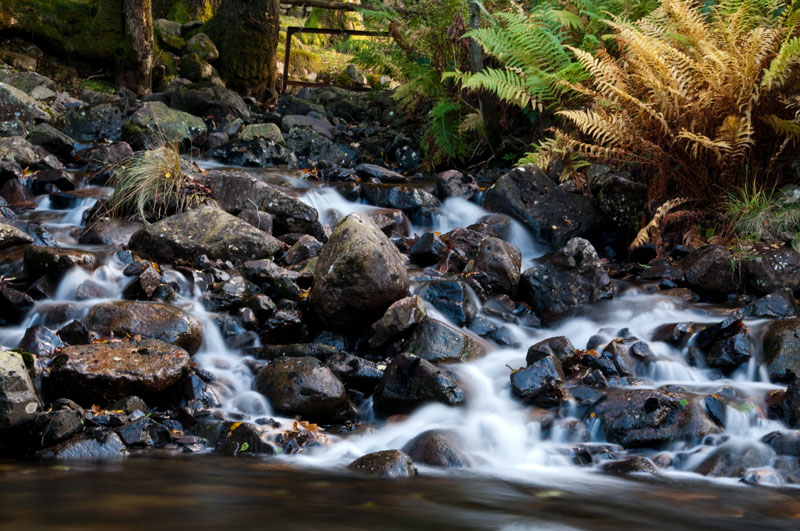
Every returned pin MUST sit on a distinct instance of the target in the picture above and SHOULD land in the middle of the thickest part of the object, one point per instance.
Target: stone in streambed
(50, 260)
(387, 464)
(437, 448)
(40, 341)
(205, 230)
(540, 383)
(782, 350)
(155, 123)
(11, 236)
(93, 445)
(497, 266)
(147, 319)
(104, 372)
(409, 382)
(454, 299)
(359, 274)
(709, 271)
(437, 342)
(18, 401)
(400, 318)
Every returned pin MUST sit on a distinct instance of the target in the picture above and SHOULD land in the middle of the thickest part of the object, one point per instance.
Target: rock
(26, 81)
(111, 232)
(52, 181)
(428, 249)
(419, 205)
(143, 286)
(17, 150)
(373, 171)
(437, 448)
(304, 387)
(552, 215)
(104, 372)
(18, 401)
(203, 46)
(229, 295)
(565, 281)
(11, 236)
(624, 204)
(195, 69)
(75, 333)
(360, 273)
(320, 125)
(268, 131)
(782, 350)
(497, 266)
(155, 123)
(454, 299)
(773, 270)
(94, 445)
(709, 271)
(315, 149)
(40, 341)
(386, 464)
(733, 458)
(785, 405)
(254, 153)
(16, 105)
(631, 464)
(453, 183)
(650, 418)
(540, 382)
(356, 373)
(96, 123)
(147, 319)
(437, 342)
(167, 27)
(204, 230)
(783, 442)
(57, 425)
(209, 100)
(101, 159)
(237, 191)
(726, 345)
(55, 261)
(144, 432)
(52, 140)
(409, 382)
(559, 347)
(777, 305)
(400, 319)
(257, 218)
(14, 305)
(303, 249)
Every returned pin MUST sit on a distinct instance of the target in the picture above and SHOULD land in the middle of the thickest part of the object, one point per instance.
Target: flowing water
(522, 474)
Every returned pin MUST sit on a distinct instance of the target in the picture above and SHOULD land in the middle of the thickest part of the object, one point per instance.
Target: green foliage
(763, 215)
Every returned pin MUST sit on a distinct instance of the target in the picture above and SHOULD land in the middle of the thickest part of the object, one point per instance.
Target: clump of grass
(765, 215)
(151, 185)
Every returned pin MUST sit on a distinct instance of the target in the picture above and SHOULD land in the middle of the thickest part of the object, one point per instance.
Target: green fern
(444, 133)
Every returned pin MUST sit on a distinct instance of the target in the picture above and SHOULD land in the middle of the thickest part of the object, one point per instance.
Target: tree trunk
(139, 27)
(246, 35)
(488, 105)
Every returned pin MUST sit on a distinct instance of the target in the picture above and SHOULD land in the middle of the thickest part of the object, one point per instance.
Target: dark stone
(373, 171)
(419, 205)
(110, 231)
(785, 405)
(75, 333)
(55, 261)
(11, 236)
(732, 459)
(14, 305)
(437, 448)
(462, 246)
(677, 334)
(427, 249)
(386, 464)
(314, 149)
(356, 373)
(726, 345)
(144, 432)
(52, 140)
(552, 215)
(777, 305)
(304, 387)
(782, 350)
(773, 270)
(630, 465)
(623, 202)
(18, 401)
(57, 425)
(303, 249)
(437, 342)
(709, 271)
(539, 383)
(409, 382)
(229, 295)
(453, 183)
(453, 299)
(143, 286)
(400, 318)
(40, 341)
(257, 218)
(783, 442)
(560, 347)
(93, 445)
(96, 123)
(209, 100)
(255, 153)
(497, 266)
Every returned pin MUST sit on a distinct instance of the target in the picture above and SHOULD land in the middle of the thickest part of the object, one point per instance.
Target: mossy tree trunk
(139, 27)
(246, 35)
(185, 10)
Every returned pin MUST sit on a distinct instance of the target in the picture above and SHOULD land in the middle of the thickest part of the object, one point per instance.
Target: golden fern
(643, 237)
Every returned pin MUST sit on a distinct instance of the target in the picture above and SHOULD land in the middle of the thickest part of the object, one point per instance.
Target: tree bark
(139, 27)
(488, 105)
(342, 6)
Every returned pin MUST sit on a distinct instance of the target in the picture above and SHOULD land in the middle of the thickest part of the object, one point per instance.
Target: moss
(184, 11)
(174, 43)
(166, 60)
(99, 85)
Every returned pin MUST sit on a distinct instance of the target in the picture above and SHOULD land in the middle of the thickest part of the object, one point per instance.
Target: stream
(523, 473)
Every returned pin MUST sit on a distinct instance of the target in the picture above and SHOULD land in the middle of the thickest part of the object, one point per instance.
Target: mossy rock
(184, 11)
(268, 131)
(175, 44)
(155, 123)
(193, 68)
(202, 45)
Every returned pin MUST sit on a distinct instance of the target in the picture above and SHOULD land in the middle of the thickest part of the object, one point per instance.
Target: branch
(343, 6)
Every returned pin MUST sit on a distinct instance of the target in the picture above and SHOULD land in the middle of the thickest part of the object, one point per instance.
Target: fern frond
(643, 237)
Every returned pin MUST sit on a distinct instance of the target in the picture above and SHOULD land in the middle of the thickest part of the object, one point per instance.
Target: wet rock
(237, 191)
(356, 373)
(781, 350)
(104, 372)
(155, 123)
(229, 295)
(14, 305)
(437, 342)
(462, 246)
(143, 286)
(560, 347)
(40, 341)
(75, 333)
(11, 236)
(93, 445)
(709, 271)
(358, 276)
(268, 131)
(623, 202)
(497, 266)
(785, 405)
(783, 442)
(55, 261)
(96, 123)
(110, 231)
(551, 214)
(204, 230)
(18, 401)
(130, 404)
(428, 249)
(384, 175)
(453, 299)
(147, 319)
(209, 100)
(52, 140)
(304, 387)
(57, 425)
(400, 319)
(650, 418)
(409, 382)
(777, 305)
(194, 68)
(726, 345)
(243, 438)
(565, 281)
(257, 218)
(540, 382)
(677, 334)
(315, 149)
(52, 180)
(419, 205)
(437, 448)
(89, 289)
(144, 432)
(733, 458)
(303, 249)
(318, 125)
(773, 270)
(763, 476)
(631, 464)
(17, 150)
(16, 105)
(18, 195)
(386, 464)
(100, 159)
(453, 183)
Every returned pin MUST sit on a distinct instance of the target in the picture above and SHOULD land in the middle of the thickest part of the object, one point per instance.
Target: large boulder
(497, 266)
(359, 274)
(254, 153)
(17, 150)
(147, 319)
(206, 230)
(209, 100)
(773, 270)
(305, 387)
(710, 271)
(410, 382)
(97, 123)
(18, 401)
(155, 123)
(437, 448)
(566, 280)
(553, 215)
(782, 350)
(104, 372)
(437, 342)
(11, 236)
(237, 191)
(16, 105)
(386, 464)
